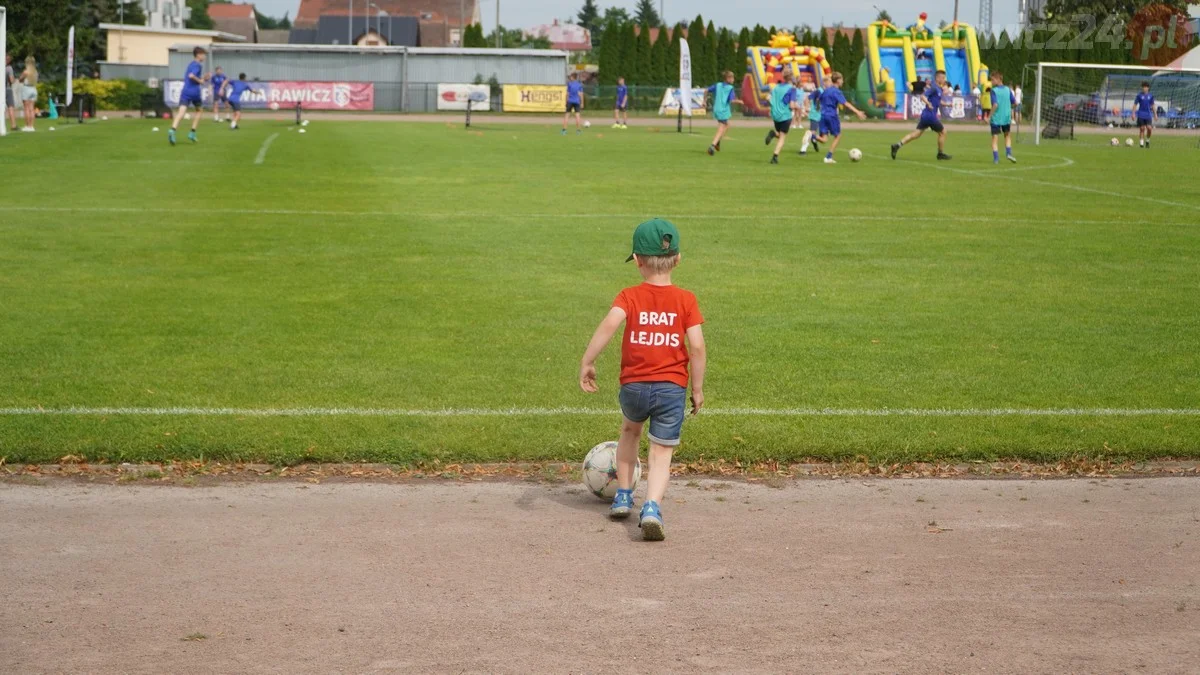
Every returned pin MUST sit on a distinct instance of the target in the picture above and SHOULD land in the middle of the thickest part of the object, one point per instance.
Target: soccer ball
(1115, 142)
(274, 105)
(600, 470)
(587, 124)
(855, 155)
(1129, 142)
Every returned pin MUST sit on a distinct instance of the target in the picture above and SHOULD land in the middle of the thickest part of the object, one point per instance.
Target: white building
(166, 14)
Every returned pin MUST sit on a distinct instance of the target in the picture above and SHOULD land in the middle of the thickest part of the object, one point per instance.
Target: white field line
(569, 411)
(262, 152)
(589, 216)
(1066, 186)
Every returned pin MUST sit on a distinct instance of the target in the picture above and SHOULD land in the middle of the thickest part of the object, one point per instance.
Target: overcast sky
(731, 13)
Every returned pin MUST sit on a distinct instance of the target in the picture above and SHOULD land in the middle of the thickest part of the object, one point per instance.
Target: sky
(730, 13)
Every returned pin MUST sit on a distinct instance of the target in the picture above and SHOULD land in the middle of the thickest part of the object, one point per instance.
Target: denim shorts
(663, 403)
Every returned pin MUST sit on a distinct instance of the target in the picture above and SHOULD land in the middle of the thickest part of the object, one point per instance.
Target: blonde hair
(659, 263)
(31, 65)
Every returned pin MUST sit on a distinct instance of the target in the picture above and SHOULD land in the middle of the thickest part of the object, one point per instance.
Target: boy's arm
(699, 360)
(861, 115)
(604, 332)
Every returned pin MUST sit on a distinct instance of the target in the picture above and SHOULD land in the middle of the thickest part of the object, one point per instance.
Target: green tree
(760, 36)
(629, 63)
(660, 54)
(645, 56)
(646, 14)
(673, 55)
(286, 22)
(610, 54)
(710, 54)
(589, 18)
(743, 39)
(883, 16)
(200, 19)
(857, 54)
(618, 14)
(841, 53)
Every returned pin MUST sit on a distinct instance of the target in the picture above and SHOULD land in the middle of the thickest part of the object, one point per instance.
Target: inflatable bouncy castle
(765, 67)
(897, 57)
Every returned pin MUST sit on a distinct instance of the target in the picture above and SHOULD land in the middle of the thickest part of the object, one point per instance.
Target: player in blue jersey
(930, 116)
(1003, 101)
(574, 103)
(812, 108)
(191, 95)
(232, 91)
(722, 94)
(831, 100)
(621, 106)
(784, 104)
(218, 84)
(1147, 114)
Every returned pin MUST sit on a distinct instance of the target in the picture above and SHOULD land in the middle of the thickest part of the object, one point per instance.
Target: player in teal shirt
(722, 106)
(783, 109)
(1003, 100)
(813, 102)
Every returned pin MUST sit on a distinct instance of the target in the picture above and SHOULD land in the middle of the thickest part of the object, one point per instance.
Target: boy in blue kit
(574, 103)
(783, 108)
(218, 84)
(191, 95)
(813, 107)
(930, 116)
(621, 108)
(723, 99)
(1003, 101)
(831, 122)
(233, 91)
(663, 335)
(1147, 115)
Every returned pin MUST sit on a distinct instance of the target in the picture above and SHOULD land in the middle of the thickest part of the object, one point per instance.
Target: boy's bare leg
(178, 116)
(942, 141)
(995, 144)
(196, 118)
(833, 145)
(779, 143)
(627, 452)
(912, 136)
(660, 471)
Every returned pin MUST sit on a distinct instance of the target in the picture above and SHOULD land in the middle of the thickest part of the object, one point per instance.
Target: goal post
(1092, 103)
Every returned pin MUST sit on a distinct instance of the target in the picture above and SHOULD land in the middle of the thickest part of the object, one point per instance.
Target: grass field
(405, 292)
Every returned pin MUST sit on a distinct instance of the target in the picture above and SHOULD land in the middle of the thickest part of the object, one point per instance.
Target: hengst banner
(535, 98)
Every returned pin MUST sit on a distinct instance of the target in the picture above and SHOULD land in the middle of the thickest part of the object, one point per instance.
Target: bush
(108, 94)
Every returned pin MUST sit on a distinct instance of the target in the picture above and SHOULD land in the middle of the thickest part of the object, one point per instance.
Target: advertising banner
(310, 95)
(954, 108)
(671, 99)
(456, 96)
(685, 77)
(534, 98)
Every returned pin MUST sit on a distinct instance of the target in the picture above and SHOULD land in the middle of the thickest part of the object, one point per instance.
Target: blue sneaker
(651, 522)
(171, 136)
(564, 133)
(622, 505)
(192, 136)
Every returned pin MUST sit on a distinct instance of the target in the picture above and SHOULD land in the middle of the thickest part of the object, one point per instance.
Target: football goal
(1094, 103)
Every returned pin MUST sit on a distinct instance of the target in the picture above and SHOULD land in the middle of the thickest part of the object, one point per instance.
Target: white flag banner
(70, 65)
(685, 77)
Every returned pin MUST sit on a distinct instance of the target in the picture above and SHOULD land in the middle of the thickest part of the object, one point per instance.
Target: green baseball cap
(655, 237)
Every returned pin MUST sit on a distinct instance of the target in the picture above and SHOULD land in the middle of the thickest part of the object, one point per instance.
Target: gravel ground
(827, 575)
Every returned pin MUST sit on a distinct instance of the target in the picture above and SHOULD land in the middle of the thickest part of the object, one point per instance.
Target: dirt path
(820, 575)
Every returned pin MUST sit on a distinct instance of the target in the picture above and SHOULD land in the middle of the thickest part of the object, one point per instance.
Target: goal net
(1093, 103)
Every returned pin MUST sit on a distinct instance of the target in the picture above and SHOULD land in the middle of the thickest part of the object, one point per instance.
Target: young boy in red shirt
(662, 335)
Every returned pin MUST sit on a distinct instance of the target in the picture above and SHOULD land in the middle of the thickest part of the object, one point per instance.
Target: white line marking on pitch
(1066, 186)
(567, 411)
(262, 152)
(592, 216)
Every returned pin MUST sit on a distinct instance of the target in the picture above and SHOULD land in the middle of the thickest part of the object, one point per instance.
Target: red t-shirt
(654, 348)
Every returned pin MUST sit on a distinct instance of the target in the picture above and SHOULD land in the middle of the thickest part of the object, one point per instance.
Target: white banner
(456, 96)
(685, 75)
(671, 99)
(70, 65)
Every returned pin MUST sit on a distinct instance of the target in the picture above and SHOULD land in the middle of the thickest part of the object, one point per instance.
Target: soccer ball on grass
(587, 124)
(855, 155)
(274, 105)
(1114, 142)
(1129, 142)
(600, 470)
